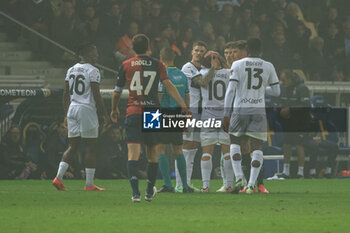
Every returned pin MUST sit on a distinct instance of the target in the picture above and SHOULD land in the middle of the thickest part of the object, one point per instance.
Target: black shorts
(174, 138)
(134, 133)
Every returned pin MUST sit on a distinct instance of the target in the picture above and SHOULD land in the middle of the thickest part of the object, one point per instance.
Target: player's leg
(246, 157)
(236, 159)
(164, 168)
(181, 165)
(228, 170)
(256, 164)
(90, 163)
(206, 166)
(134, 150)
(133, 138)
(64, 164)
(190, 149)
(152, 152)
(222, 189)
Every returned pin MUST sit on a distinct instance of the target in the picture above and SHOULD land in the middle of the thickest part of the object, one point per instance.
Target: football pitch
(321, 205)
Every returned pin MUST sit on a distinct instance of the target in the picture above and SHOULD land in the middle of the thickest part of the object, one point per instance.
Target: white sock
(236, 164)
(62, 168)
(313, 171)
(254, 171)
(189, 157)
(228, 170)
(178, 177)
(90, 174)
(301, 171)
(328, 170)
(206, 167)
(222, 169)
(286, 167)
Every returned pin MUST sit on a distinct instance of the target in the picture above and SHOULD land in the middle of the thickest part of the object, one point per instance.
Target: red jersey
(141, 75)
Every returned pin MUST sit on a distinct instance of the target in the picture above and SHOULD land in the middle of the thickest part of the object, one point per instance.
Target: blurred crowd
(311, 37)
(32, 152)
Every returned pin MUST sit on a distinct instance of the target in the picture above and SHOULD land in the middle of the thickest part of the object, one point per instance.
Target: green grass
(293, 206)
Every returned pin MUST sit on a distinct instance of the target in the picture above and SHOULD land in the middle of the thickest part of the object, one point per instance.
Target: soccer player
(249, 79)
(142, 74)
(213, 94)
(228, 53)
(81, 98)
(192, 138)
(167, 56)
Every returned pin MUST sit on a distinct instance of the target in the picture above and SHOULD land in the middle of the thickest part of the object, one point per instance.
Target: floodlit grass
(293, 206)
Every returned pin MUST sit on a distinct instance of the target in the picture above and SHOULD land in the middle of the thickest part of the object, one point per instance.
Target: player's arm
(66, 97)
(171, 89)
(95, 87)
(116, 94)
(115, 102)
(274, 89)
(187, 99)
(229, 97)
(204, 80)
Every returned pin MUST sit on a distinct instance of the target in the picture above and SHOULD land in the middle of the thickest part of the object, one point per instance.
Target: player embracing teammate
(250, 78)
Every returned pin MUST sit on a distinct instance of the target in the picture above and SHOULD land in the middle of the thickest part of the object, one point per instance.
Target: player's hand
(285, 112)
(115, 115)
(187, 112)
(226, 124)
(215, 61)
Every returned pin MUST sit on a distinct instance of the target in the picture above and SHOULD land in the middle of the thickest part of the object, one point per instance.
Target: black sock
(132, 173)
(260, 179)
(152, 170)
(246, 161)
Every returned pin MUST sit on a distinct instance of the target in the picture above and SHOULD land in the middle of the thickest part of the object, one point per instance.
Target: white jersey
(213, 96)
(79, 77)
(252, 75)
(191, 71)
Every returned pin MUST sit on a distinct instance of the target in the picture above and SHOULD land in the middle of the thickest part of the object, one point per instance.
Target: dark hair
(254, 46)
(140, 43)
(85, 48)
(240, 44)
(167, 54)
(200, 43)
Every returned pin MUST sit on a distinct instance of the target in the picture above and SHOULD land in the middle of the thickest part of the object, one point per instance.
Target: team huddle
(231, 90)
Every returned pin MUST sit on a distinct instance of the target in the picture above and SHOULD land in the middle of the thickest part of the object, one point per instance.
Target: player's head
(199, 48)
(140, 43)
(206, 62)
(239, 50)
(88, 52)
(167, 55)
(254, 47)
(228, 52)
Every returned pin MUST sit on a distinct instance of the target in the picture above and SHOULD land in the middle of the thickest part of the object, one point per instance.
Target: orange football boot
(58, 184)
(262, 189)
(93, 188)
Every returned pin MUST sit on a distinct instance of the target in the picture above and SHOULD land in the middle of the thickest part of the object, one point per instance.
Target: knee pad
(227, 156)
(234, 150)
(205, 156)
(258, 156)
